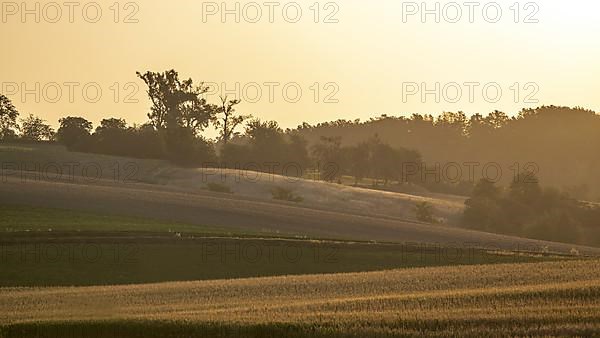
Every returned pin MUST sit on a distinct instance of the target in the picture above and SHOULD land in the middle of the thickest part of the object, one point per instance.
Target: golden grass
(555, 297)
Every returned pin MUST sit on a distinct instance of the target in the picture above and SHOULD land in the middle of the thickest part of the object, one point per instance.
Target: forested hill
(563, 143)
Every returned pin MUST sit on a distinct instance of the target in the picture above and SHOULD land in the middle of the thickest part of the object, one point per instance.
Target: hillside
(187, 204)
(44, 160)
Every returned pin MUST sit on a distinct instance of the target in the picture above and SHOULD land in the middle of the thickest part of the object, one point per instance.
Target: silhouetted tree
(359, 159)
(228, 121)
(185, 148)
(497, 119)
(147, 142)
(175, 102)
(267, 146)
(197, 114)
(385, 162)
(74, 132)
(8, 119)
(35, 129)
(330, 158)
(483, 210)
(236, 156)
(180, 113)
(525, 188)
(113, 137)
(297, 152)
(530, 211)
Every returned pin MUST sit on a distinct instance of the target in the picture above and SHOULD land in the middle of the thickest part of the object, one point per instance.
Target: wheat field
(551, 298)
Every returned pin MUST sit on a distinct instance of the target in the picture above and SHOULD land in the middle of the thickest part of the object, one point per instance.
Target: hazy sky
(362, 58)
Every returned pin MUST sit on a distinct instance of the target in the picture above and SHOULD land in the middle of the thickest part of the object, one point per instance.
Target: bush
(284, 194)
(424, 212)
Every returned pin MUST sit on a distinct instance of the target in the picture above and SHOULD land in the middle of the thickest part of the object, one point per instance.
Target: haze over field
(368, 50)
(299, 169)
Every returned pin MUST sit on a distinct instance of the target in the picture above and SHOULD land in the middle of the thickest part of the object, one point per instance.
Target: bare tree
(228, 120)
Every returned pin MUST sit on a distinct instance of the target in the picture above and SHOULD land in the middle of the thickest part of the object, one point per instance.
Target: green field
(21, 218)
(96, 260)
(90, 249)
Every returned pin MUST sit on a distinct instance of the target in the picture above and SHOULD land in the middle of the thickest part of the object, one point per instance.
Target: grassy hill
(178, 196)
(44, 161)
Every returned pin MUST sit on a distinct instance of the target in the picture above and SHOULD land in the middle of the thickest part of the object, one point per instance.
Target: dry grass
(553, 298)
(258, 186)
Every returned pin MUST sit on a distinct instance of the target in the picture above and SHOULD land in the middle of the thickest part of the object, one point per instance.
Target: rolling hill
(172, 198)
(510, 299)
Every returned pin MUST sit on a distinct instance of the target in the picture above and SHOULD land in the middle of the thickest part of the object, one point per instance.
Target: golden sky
(360, 59)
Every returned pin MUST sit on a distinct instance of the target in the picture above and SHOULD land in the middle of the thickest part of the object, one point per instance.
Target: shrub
(424, 212)
(284, 194)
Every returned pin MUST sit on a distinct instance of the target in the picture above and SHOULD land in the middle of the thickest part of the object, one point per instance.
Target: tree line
(562, 141)
(178, 117)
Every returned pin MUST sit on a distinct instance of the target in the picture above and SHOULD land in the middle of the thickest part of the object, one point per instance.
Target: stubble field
(551, 298)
